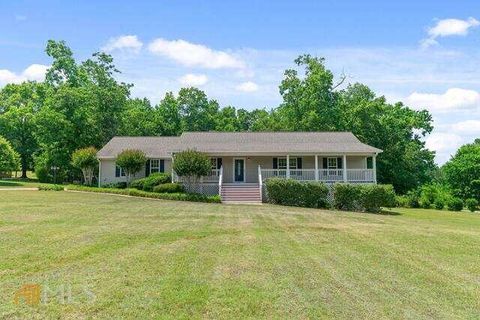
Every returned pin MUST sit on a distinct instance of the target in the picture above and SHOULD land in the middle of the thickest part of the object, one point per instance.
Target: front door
(239, 170)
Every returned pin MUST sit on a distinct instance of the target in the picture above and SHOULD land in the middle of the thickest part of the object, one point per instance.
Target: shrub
(471, 204)
(413, 197)
(439, 204)
(86, 160)
(191, 165)
(169, 188)
(401, 201)
(347, 197)
(131, 161)
(195, 197)
(290, 192)
(375, 196)
(455, 204)
(358, 197)
(115, 185)
(9, 159)
(53, 187)
(425, 204)
(148, 183)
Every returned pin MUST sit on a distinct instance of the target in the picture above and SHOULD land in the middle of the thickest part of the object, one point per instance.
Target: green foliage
(116, 185)
(359, 197)
(194, 197)
(169, 188)
(153, 180)
(413, 197)
(191, 164)
(85, 159)
(462, 172)
(439, 204)
(9, 159)
(290, 192)
(53, 187)
(375, 196)
(471, 204)
(402, 201)
(131, 161)
(347, 197)
(455, 204)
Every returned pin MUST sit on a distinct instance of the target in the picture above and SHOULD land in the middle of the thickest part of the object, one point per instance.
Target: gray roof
(243, 143)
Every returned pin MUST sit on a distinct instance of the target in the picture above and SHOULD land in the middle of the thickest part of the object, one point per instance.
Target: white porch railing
(325, 175)
(220, 180)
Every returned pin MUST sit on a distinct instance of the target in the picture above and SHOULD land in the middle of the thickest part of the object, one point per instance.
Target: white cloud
(194, 55)
(35, 72)
(452, 27)
(125, 43)
(248, 86)
(452, 99)
(447, 28)
(442, 142)
(469, 127)
(193, 80)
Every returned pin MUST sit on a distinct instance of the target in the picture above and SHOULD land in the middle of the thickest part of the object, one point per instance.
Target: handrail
(260, 182)
(220, 178)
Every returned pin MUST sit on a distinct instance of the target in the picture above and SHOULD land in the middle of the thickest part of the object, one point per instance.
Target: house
(242, 161)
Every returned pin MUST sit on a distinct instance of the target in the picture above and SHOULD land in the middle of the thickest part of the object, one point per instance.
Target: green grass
(144, 258)
(21, 183)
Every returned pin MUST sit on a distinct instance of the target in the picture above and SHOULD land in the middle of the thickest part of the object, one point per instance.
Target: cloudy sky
(424, 53)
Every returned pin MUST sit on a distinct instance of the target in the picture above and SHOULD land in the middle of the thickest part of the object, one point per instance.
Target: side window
(119, 172)
(156, 165)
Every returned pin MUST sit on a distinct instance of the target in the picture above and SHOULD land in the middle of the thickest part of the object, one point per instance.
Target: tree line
(82, 104)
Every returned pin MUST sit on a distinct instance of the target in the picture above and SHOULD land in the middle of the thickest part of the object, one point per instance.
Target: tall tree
(169, 116)
(198, 113)
(19, 104)
(462, 172)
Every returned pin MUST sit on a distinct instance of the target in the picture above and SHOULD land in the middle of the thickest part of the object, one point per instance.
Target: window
(119, 172)
(216, 163)
(332, 163)
(157, 165)
(282, 163)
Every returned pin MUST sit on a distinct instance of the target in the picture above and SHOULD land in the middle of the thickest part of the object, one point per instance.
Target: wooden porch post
(288, 166)
(316, 167)
(344, 168)
(374, 165)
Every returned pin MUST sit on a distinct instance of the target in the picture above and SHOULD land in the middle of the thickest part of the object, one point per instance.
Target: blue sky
(424, 53)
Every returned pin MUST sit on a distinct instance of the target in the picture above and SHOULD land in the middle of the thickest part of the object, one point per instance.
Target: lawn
(119, 257)
(20, 183)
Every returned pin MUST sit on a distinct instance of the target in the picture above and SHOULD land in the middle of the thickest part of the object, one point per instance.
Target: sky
(425, 54)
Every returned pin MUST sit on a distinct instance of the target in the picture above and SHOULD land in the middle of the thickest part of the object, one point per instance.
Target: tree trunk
(24, 167)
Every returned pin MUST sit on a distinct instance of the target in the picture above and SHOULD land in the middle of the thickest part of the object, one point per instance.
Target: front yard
(119, 257)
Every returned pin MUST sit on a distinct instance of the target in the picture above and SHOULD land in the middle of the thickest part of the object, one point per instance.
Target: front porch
(325, 168)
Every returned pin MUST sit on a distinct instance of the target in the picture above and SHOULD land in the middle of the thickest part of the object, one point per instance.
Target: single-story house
(242, 161)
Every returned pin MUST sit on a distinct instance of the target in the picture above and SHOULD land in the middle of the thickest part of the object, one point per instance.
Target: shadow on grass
(10, 184)
(389, 212)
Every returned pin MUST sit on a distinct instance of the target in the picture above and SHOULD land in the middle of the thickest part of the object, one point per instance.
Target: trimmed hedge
(363, 197)
(195, 197)
(115, 185)
(52, 187)
(148, 183)
(290, 192)
(169, 188)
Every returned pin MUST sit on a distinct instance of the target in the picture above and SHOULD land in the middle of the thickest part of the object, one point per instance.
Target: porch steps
(241, 193)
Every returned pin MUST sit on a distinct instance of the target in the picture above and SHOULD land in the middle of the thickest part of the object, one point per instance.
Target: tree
(131, 161)
(85, 159)
(191, 165)
(8, 157)
(169, 116)
(462, 171)
(197, 112)
(19, 104)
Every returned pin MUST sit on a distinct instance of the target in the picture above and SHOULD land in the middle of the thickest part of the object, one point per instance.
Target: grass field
(118, 257)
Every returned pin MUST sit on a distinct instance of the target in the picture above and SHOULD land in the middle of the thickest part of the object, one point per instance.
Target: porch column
(374, 162)
(288, 166)
(316, 167)
(344, 168)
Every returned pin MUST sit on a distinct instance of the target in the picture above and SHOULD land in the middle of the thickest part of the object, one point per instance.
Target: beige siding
(107, 168)
(356, 162)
